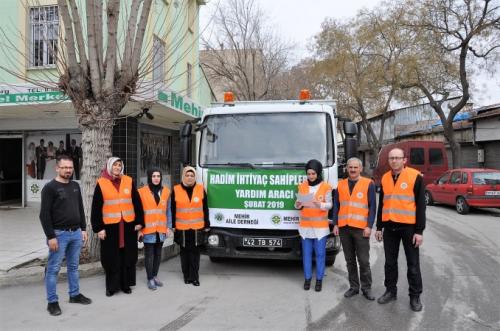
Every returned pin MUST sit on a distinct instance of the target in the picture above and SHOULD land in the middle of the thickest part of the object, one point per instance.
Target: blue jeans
(70, 244)
(319, 246)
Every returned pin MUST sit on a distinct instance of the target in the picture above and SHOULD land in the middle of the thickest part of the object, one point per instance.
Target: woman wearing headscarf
(116, 216)
(189, 219)
(314, 201)
(155, 200)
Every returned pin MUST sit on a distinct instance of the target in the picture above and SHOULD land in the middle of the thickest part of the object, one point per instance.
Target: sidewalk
(23, 248)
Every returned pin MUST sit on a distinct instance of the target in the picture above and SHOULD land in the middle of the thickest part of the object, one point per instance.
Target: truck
(250, 158)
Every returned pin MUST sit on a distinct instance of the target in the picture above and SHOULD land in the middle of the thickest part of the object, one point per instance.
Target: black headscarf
(318, 168)
(154, 188)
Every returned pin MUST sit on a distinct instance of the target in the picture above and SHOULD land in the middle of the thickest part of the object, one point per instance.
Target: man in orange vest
(402, 219)
(354, 207)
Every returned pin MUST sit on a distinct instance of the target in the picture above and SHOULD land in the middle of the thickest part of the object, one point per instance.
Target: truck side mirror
(350, 129)
(351, 142)
(185, 137)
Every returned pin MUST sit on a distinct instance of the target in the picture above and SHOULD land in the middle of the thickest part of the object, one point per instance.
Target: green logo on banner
(276, 219)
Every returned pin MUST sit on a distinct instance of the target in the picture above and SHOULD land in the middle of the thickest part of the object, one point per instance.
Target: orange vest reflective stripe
(399, 199)
(117, 204)
(155, 215)
(189, 214)
(314, 217)
(353, 207)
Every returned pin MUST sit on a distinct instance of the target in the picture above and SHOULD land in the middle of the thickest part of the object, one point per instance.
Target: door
(438, 194)
(454, 187)
(11, 171)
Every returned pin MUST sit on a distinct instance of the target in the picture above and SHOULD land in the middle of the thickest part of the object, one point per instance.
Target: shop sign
(179, 103)
(49, 96)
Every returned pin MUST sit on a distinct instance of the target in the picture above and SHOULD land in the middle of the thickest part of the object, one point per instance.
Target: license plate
(262, 242)
(492, 193)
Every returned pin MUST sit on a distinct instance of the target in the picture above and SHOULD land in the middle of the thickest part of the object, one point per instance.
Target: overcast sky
(298, 21)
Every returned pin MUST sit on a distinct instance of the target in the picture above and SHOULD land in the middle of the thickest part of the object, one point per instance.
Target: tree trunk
(456, 156)
(96, 148)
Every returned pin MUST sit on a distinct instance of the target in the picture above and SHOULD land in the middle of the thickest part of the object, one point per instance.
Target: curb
(28, 275)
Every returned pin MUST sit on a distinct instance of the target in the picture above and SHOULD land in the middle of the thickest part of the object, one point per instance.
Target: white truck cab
(250, 158)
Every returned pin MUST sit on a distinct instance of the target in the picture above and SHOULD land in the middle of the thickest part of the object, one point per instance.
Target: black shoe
(387, 297)
(54, 309)
(415, 304)
(187, 281)
(127, 290)
(368, 295)
(80, 298)
(109, 293)
(196, 282)
(319, 285)
(350, 293)
(307, 284)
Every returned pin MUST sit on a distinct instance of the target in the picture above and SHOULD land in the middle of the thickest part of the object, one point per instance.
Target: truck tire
(330, 261)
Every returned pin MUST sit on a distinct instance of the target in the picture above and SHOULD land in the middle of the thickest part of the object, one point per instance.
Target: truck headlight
(213, 240)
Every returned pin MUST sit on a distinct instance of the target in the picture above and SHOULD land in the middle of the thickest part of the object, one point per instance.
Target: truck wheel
(462, 206)
(330, 261)
(428, 199)
(215, 259)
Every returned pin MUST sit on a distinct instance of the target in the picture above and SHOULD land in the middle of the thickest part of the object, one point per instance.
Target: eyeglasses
(66, 168)
(394, 158)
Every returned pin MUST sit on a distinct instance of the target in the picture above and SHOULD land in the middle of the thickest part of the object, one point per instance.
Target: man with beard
(63, 221)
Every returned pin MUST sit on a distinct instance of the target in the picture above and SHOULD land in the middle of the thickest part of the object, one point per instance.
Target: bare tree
(100, 67)
(243, 54)
(439, 66)
(358, 64)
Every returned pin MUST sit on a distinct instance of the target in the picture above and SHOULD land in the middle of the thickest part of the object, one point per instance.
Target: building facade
(37, 123)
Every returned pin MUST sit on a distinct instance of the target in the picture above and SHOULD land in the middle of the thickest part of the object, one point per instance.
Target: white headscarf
(109, 165)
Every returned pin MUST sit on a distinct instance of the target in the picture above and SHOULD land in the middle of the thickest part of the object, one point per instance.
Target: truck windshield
(266, 139)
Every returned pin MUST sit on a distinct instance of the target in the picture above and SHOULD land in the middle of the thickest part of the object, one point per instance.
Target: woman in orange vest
(116, 217)
(190, 220)
(155, 200)
(314, 201)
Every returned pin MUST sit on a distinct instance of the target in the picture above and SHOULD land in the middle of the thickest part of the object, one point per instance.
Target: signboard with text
(253, 198)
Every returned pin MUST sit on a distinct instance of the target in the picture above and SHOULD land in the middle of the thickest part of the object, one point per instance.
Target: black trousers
(152, 258)
(190, 262)
(121, 277)
(355, 246)
(392, 238)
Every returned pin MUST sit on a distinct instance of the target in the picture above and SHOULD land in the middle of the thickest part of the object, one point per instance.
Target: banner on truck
(253, 198)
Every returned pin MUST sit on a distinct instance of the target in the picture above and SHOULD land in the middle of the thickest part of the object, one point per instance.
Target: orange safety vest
(314, 217)
(353, 207)
(117, 204)
(399, 199)
(155, 215)
(189, 213)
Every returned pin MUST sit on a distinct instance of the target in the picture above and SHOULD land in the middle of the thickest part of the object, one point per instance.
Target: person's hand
(298, 204)
(84, 237)
(140, 235)
(53, 246)
(336, 230)
(378, 235)
(137, 227)
(102, 234)
(367, 232)
(316, 204)
(418, 240)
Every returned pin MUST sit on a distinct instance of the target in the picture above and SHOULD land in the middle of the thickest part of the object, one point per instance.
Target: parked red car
(465, 188)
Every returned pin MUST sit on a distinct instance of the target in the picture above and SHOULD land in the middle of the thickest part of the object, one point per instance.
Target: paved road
(460, 262)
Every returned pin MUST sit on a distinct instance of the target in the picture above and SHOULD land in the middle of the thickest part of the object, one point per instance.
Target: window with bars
(44, 31)
(158, 59)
